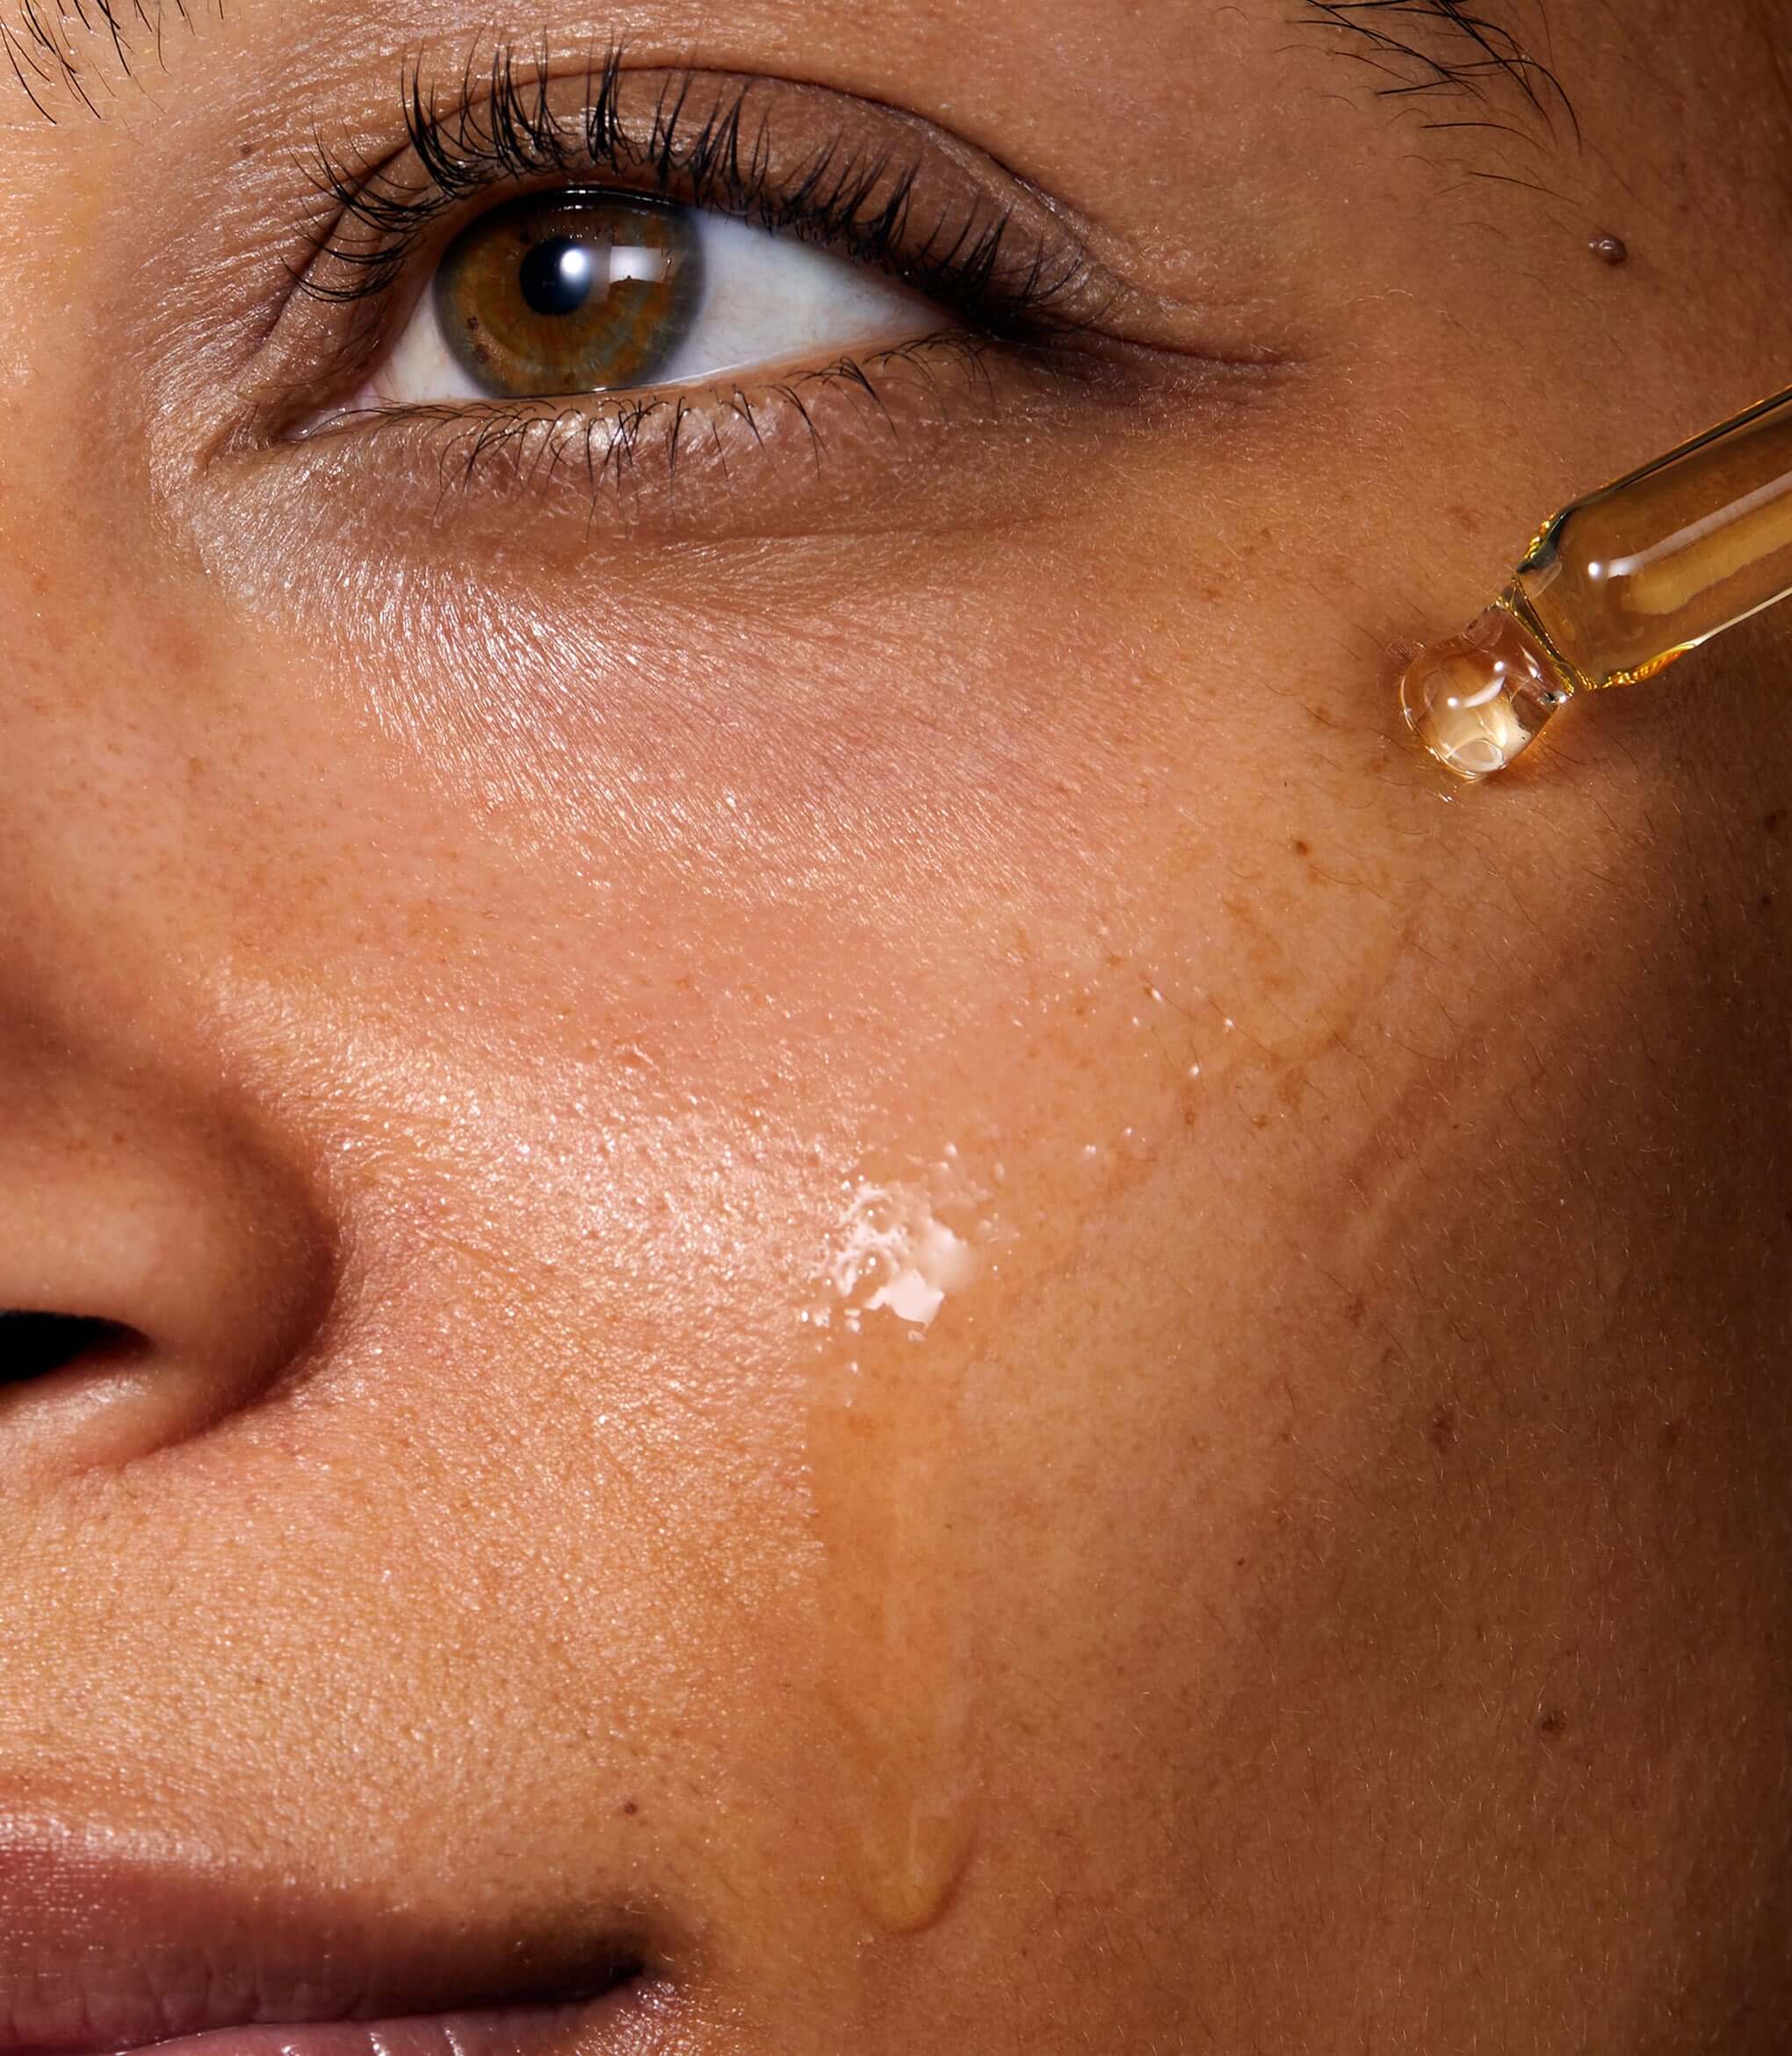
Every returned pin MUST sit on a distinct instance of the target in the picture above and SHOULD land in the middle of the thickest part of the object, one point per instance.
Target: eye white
(767, 302)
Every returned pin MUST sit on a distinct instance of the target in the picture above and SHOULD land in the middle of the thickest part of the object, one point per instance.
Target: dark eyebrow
(1456, 66)
(1468, 62)
(68, 48)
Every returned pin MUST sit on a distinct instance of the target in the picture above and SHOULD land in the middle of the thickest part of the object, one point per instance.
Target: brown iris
(569, 292)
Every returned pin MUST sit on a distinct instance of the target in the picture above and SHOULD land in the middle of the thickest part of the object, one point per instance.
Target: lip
(107, 1946)
(596, 2026)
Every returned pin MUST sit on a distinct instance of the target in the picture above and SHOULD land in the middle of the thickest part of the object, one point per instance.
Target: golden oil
(1614, 590)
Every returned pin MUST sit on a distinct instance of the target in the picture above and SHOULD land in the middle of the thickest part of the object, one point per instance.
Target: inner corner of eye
(586, 292)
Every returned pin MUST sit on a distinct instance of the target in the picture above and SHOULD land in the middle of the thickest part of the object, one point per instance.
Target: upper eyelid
(693, 139)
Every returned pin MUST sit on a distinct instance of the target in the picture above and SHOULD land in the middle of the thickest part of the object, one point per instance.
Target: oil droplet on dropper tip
(1478, 700)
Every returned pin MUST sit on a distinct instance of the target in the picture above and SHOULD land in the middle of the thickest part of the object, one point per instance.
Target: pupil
(557, 276)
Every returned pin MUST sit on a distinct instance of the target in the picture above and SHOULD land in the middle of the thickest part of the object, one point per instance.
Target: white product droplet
(892, 1255)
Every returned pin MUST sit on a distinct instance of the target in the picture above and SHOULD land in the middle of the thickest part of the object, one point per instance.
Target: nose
(160, 1266)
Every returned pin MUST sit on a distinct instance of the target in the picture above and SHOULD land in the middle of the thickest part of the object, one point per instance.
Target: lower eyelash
(631, 452)
(603, 441)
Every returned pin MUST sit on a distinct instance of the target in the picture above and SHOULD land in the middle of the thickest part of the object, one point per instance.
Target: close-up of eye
(565, 277)
(598, 292)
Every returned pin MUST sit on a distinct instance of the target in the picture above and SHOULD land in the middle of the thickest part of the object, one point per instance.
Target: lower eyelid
(821, 450)
(956, 435)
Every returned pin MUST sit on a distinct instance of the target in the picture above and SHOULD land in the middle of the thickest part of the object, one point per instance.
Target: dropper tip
(1479, 700)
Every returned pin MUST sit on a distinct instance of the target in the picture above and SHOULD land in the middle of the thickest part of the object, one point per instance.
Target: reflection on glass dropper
(1615, 589)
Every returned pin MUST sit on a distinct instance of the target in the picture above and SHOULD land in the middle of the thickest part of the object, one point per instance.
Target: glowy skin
(1318, 1581)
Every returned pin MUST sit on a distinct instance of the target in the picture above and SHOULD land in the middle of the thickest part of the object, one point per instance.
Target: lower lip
(626, 2021)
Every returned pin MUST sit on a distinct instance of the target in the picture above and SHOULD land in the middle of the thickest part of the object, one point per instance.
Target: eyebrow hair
(68, 45)
(1448, 52)
(42, 48)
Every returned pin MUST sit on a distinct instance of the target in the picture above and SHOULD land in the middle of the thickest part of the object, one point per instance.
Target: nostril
(169, 1253)
(34, 1346)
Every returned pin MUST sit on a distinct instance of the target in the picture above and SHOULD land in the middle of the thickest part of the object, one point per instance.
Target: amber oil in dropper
(1614, 588)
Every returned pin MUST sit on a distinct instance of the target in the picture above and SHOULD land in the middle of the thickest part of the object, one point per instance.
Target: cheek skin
(1195, 1012)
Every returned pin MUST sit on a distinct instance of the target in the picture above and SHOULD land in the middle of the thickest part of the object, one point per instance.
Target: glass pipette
(1613, 588)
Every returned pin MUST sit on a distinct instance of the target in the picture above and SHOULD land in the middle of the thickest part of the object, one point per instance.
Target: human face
(863, 1278)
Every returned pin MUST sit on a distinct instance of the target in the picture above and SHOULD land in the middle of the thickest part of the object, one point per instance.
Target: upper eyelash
(717, 160)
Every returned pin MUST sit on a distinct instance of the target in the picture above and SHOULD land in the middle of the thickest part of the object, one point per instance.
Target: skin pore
(491, 954)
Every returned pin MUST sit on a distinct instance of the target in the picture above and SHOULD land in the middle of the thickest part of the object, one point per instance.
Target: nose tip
(160, 1266)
